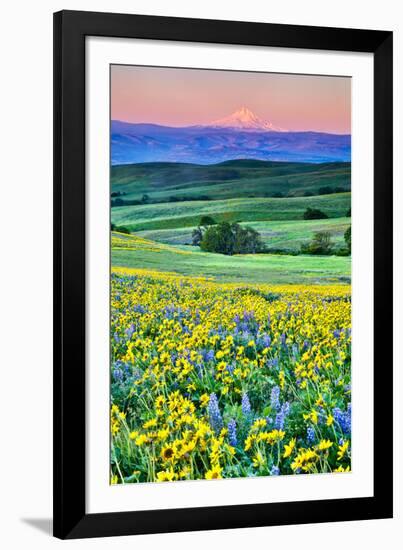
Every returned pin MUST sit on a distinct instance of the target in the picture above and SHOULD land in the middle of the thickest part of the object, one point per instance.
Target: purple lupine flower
(272, 363)
(282, 415)
(275, 471)
(274, 398)
(310, 435)
(117, 375)
(246, 335)
(208, 355)
(343, 418)
(229, 369)
(169, 311)
(232, 433)
(245, 405)
(283, 339)
(266, 341)
(214, 413)
(129, 332)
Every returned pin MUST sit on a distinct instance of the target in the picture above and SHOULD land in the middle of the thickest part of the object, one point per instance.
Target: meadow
(229, 365)
(187, 213)
(213, 380)
(135, 251)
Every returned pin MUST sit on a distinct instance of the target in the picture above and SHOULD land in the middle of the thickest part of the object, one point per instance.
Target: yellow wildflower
(342, 450)
(214, 473)
(324, 444)
(258, 460)
(288, 449)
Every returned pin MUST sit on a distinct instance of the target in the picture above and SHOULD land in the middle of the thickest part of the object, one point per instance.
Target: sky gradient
(185, 97)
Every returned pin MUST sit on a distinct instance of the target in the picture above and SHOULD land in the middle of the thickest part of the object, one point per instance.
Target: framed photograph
(223, 274)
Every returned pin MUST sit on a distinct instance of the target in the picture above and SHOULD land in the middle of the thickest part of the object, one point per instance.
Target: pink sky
(183, 97)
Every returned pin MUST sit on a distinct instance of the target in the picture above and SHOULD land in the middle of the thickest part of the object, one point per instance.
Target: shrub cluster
(314, 214)
(226, 238)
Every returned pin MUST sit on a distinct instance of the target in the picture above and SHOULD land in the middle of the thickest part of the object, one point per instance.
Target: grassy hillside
(187, 214)
(239, 178)
(172, 197)
(287, 235)
(135, 252)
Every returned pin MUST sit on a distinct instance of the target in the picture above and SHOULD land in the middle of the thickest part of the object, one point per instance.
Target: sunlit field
(135, 251)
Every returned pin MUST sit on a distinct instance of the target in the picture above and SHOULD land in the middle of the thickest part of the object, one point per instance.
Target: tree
(205, 221)
(325, 190)
(145, 199)
(117, 202)
(218, 238)
(348, 213)
(122, 229)
(321, 244)
(119, 228)
(347, 238)
(230, 238)
(314, 214)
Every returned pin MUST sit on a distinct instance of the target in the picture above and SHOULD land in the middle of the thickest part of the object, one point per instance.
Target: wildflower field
(215, 379)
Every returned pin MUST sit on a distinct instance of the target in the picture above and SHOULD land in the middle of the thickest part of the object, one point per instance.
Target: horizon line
(235, 160)
(232, 128)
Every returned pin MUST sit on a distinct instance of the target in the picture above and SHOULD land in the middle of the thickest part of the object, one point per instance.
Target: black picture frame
(70, 517)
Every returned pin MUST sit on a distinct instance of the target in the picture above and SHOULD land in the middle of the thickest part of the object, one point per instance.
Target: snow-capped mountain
(245, 119)
(133, 143)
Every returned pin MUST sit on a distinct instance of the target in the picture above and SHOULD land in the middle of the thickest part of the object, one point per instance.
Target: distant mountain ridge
(220, 141)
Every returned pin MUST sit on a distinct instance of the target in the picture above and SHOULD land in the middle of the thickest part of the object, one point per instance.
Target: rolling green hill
(166, 182)
(188, 213)
(163, 203)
